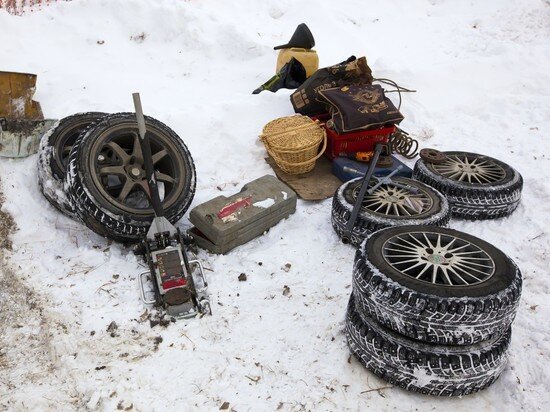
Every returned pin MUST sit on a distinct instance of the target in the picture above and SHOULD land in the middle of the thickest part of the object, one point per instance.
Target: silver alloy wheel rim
(470, 169)
(439, 259)
(391, 201)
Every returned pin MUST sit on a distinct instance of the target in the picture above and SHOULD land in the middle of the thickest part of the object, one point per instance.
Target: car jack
(179, 284)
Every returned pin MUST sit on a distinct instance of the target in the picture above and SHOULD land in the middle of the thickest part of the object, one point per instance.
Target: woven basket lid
(292, 133)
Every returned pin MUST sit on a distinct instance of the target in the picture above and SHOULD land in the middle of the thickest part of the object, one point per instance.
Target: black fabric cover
(306, 99)
(360, 107)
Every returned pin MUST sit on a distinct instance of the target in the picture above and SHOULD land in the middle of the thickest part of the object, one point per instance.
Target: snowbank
(481, 71)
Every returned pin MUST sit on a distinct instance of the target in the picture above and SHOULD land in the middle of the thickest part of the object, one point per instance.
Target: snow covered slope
(482, 73)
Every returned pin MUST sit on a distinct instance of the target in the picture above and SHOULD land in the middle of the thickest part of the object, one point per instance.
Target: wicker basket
(293, 142)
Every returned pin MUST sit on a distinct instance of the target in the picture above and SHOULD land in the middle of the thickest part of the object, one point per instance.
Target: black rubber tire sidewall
(100, 215)
(50, 176)
(475, 201)
(431, 313)
(80, 121)
(342, 205)
(441, 370)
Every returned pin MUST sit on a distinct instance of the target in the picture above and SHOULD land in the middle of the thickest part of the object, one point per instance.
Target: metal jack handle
(147, 158)
(160, 223)
(346, 236)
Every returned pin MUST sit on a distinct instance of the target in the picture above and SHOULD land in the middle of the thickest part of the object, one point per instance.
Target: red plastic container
(361, 141)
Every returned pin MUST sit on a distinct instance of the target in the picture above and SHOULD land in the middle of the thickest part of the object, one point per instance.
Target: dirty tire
(52, 159)
(386, 288)
(495, 195)
(103, 213)
(420, 367)
(436, 210)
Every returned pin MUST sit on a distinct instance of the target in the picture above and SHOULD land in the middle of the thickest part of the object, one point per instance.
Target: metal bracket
(346, 236)
(201, 289)
(142, 289)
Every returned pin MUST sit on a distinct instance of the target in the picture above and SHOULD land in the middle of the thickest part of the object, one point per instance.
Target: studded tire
(438, 370)
(51, 158)
(438, 214)
(437, 313)
(474, 201)
(97, 211)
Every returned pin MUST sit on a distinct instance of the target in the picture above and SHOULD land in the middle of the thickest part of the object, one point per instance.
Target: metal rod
(147, 158)
(346, 237)
(383, 180)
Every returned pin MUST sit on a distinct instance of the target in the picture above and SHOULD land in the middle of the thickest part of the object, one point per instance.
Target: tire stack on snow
(431, 309)
(91, 168)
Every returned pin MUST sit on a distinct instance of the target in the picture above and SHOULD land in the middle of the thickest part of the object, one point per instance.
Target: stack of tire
(431, 309)
(91, 169)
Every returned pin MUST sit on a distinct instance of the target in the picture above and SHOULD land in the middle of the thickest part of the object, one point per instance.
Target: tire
(420, 367)
(386, 286)
(52, 158)
(114, 141)
(435, 208)
(497, 197)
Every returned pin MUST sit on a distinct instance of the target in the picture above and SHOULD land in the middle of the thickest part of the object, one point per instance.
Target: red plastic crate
(361, 141)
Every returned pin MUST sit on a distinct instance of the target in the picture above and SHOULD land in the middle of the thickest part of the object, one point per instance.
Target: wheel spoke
(412, 252)
(426, 267)
(462, 265)
(395, 210)
(413, 247)
(404, 209)
(144, 187)
(457, 248)
(406, 261)
(467, 273)
(412, 244)
(119, 151)
(112, 170)
(428, 241)
(434, 274)
(465, 260)
(455, 273)
(126, 189)
(413, 266)
(446, 276)
(157, 157)
(163, 177)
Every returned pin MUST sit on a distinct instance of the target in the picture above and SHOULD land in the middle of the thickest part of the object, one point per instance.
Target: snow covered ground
(482, 73)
